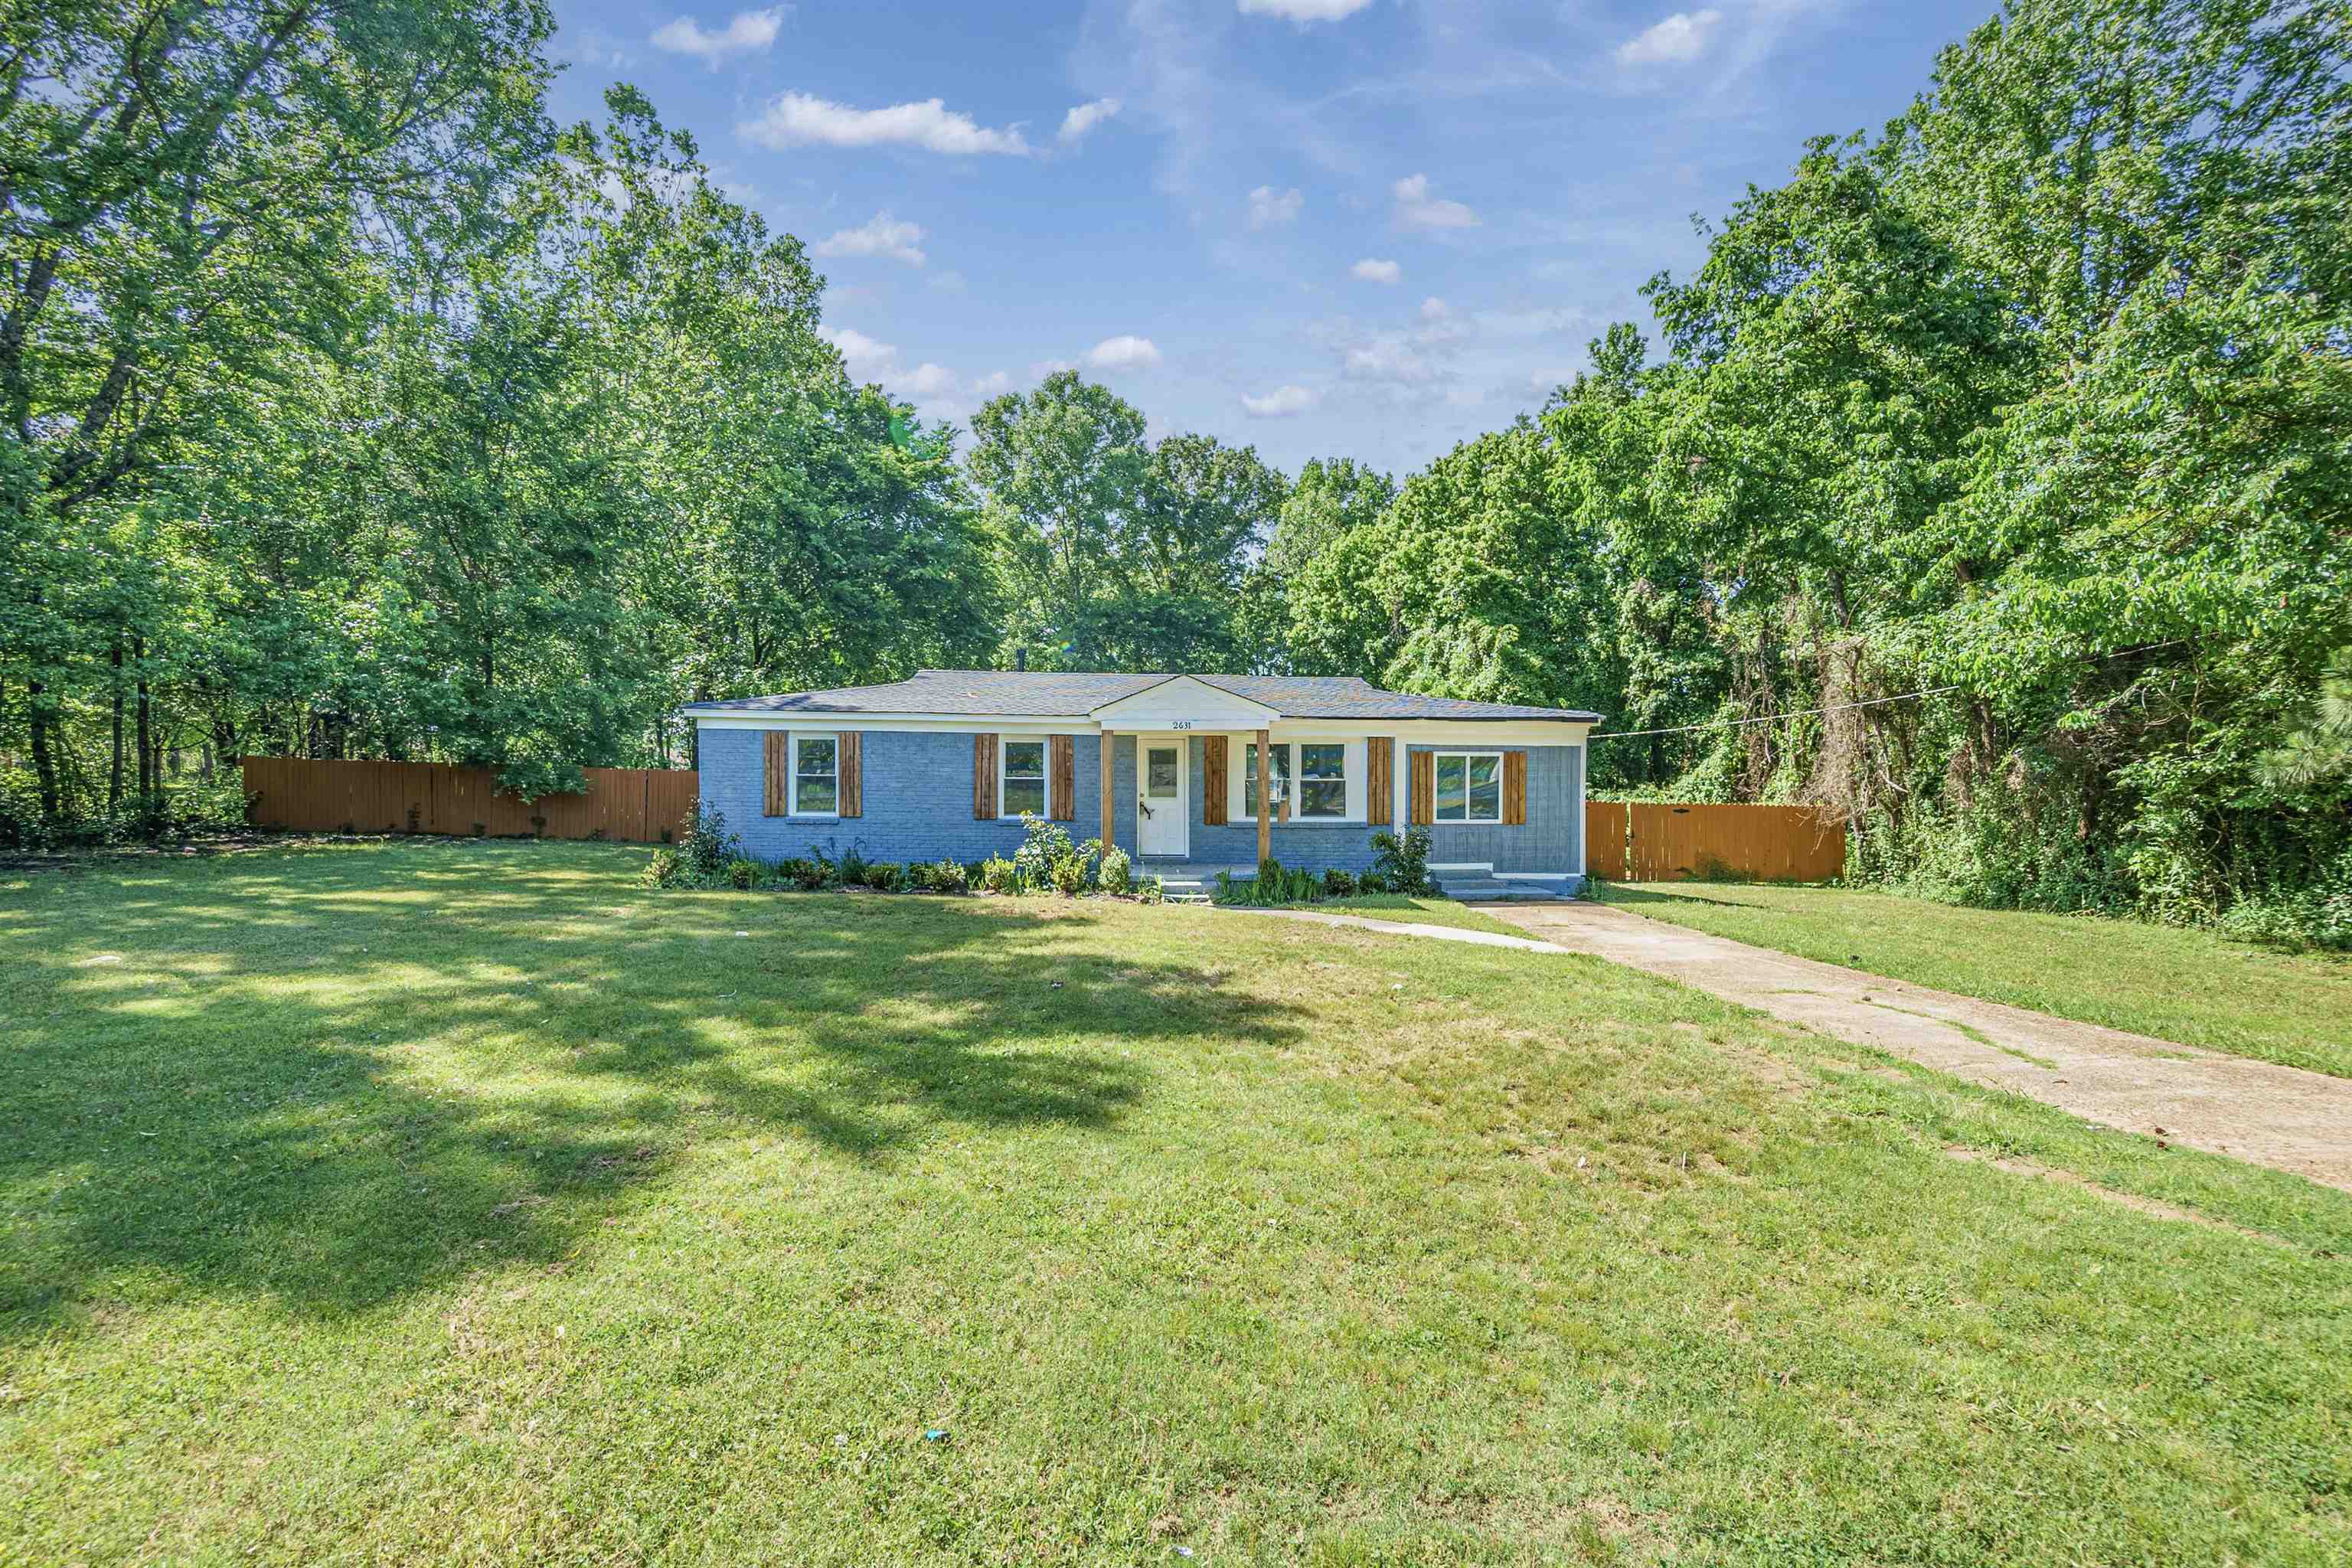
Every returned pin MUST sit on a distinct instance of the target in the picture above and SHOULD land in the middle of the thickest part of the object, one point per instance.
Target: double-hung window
(1469, 786)
(1322, 779)
(816, 775)
(1022, 787)
(1278, 768)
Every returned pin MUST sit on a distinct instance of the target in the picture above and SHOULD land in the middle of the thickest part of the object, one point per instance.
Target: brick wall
(917, 800)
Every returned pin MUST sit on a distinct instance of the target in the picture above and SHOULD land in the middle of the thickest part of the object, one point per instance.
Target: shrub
(661, 871)
(882, 876)
(1372, 882)
(1402, 862)
(946, 876)
(1117, 873)
(1299, 885)
(1269, 875)
(705, 847)
(742, 874)
(802, 873)
(1337, 884)
(999, 875)
(1069, 874)
(1149, 890)
(853, 869)
(2318, 915)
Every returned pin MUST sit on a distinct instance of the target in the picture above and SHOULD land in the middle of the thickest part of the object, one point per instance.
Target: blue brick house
(1189, 773)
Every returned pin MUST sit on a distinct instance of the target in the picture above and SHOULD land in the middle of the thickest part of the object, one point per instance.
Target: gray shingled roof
(1058, 694)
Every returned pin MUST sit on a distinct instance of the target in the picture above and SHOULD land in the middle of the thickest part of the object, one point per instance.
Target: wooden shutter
(850, 788)
(984, 778)
(1514, 789)
(1425, 788)
(777, 798)
(1380, 781)
(1213, 786)
(1062, 778)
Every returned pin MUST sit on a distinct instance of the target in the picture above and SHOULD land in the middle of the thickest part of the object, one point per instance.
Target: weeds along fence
(637, 805)
(1645, 841)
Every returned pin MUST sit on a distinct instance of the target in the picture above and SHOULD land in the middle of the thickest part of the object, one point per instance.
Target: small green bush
(1069, 875)
(705, 847)
(946, 875)
(853, 869)
(1402, 862)
(1150, 890)
(743, 874)
(882, 876)
(1118, 872)
(999, 875)
(661, 871)
(1337, 884)
(806, 875)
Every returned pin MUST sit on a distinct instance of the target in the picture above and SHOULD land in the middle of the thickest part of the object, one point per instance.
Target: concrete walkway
(2277, 1116)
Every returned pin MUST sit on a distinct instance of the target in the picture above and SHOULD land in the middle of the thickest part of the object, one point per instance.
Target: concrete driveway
(2278, 1116)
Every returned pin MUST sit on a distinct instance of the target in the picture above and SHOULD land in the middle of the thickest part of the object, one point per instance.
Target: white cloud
(867, 360)
(1282, 402)
(1125, 352)
(926, 380)
(749, 33)
(1542, 321)
(1391, 360)
(1416, 209)
(1269, 205)
(1039, 369)
(881, 234)
(1369, 270)
(1086, 116)
(1436, 309)
(1304, 11)
(993, 384)
(1678, 40)
(803, 120)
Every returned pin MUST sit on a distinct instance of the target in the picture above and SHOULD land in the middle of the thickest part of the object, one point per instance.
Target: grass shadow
(335, 1079)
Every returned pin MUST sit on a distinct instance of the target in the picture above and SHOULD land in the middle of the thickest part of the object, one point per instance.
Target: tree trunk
(114, 773)
(45, 761)
(146, 729)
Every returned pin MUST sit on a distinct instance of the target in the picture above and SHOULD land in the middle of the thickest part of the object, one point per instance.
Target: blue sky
(1364, 228)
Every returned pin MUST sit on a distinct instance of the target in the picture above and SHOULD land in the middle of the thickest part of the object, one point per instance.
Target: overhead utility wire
(1842, 707)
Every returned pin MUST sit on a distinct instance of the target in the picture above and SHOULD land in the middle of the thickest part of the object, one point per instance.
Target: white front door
(1161, 827)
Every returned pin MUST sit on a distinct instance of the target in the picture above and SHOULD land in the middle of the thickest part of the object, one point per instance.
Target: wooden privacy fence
(1643, 841)
(631, 805)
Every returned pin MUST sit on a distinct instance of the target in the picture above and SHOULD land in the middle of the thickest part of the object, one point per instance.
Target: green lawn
(1413, 909)
(2188, 987)
(467, 1202)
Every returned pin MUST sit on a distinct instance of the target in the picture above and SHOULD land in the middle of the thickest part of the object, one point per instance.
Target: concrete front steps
(1479, 884)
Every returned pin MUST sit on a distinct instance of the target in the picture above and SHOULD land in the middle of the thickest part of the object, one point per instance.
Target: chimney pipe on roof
(1021, 656)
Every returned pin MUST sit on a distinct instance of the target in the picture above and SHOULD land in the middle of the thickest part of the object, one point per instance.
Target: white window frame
(1005, 744)
(1354, 770)
(1466, 819)
(793, 759)
(1349, 783)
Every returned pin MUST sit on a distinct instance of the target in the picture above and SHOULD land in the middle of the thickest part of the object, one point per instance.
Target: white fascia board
(1445, 732)
(965, 723)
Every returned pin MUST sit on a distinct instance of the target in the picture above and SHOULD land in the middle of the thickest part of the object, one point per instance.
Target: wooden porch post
(1108, 819)
(1264, 794)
